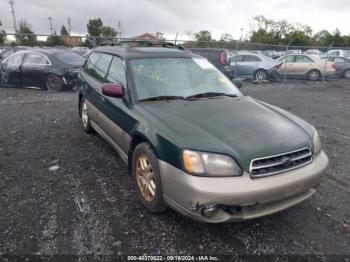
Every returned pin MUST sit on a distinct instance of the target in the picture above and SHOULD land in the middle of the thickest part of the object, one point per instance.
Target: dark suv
(191, 140)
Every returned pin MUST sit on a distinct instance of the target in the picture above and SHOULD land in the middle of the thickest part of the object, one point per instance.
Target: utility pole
(50, 20)
(241, 35)
(120, 29)
(69, 26)
(13, 16)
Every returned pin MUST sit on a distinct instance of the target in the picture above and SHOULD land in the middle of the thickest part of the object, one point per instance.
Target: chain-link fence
(50, 61)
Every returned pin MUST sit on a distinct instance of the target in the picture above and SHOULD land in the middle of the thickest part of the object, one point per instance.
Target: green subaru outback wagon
(191, 140)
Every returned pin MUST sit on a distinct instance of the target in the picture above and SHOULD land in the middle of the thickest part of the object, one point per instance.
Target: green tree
(107, 31)
(323, 38)
(25, 35)
(54, 40)
(64, 30)
(2, 35)
(94, 27)
(203, 38)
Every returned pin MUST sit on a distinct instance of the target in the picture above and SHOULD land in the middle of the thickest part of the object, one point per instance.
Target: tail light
(222, 58)
(333, 65)
(278, 66)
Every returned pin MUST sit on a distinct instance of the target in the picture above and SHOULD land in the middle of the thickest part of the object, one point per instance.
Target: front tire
(85, 117)
(54, 82)
(260, 75)
(314, 75)
(146, 173)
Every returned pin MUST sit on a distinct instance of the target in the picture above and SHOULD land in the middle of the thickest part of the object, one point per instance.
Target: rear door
(94, 75)
(11, 70)
(34, 68)
(236, 62)
(114, 115)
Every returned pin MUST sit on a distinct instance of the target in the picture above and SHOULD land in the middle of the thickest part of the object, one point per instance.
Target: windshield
(71, 59)
(181, 77)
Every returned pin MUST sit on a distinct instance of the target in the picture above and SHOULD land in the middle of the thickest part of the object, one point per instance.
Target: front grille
(272, 165)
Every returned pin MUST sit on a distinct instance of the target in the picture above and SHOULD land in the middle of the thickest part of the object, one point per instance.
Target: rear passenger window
(251, 58)
(97, 66)
(116, 72)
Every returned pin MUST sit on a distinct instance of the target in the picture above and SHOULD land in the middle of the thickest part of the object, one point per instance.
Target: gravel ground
(65, 192)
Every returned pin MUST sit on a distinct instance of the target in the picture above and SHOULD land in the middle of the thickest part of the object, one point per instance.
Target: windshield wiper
(160, 98)
(210, 94)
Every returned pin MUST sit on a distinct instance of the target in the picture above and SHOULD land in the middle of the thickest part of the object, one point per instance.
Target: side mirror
(113, 90)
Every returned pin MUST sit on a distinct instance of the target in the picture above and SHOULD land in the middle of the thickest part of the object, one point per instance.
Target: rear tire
(54, 82)
(346, 74)
(314, 75)
(146, 173)
(260, 75)
(85, 117)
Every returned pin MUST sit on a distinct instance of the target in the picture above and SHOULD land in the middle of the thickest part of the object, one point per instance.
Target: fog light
(210, 210)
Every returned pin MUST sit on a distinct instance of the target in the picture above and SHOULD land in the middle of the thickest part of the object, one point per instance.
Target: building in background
(72, 40)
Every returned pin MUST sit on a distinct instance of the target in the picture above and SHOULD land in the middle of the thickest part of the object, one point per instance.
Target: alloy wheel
(84, 114)
(260, 76)
(145, 178)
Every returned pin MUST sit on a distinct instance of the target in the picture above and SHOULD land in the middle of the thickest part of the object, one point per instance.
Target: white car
(338, 52)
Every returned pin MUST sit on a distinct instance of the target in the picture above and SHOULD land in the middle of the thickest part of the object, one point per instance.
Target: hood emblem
(286, 161)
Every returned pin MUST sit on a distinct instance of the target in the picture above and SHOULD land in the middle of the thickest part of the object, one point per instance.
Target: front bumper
(250, 198)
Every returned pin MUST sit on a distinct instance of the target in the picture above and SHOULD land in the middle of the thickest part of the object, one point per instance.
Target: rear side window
(116, 73)
(14, 60)
(251, 58)
(238, 58)
(35, 59)
(339, 60)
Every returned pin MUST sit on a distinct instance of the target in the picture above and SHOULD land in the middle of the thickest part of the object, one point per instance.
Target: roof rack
(141, 43)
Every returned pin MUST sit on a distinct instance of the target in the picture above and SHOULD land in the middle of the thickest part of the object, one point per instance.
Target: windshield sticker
(203, 63)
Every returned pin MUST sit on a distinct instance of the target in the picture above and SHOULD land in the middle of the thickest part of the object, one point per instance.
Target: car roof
(48, 51)
(144, 52)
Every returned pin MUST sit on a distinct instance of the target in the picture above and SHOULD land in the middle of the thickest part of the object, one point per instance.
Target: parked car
(313, 52)
(342, 65)
(306, 66)
(51, 69)
(338, 52)
(191, 140)
(255, 66)
(218, 57)
(271, 53)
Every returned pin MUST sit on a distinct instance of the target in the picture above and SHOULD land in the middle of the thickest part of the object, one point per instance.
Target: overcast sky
(171, 16)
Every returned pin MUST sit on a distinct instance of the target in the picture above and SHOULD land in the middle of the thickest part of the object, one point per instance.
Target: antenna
(13, 16)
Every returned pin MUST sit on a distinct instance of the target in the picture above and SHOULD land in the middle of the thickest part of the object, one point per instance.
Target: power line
(13, 15)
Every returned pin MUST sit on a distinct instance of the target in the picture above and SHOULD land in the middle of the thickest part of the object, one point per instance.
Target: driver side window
(14, 60)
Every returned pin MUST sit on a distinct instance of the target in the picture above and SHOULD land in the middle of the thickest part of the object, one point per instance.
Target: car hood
(241, 127)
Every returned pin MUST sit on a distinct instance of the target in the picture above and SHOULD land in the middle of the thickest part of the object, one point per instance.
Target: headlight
(317, 143)
(209, 164)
